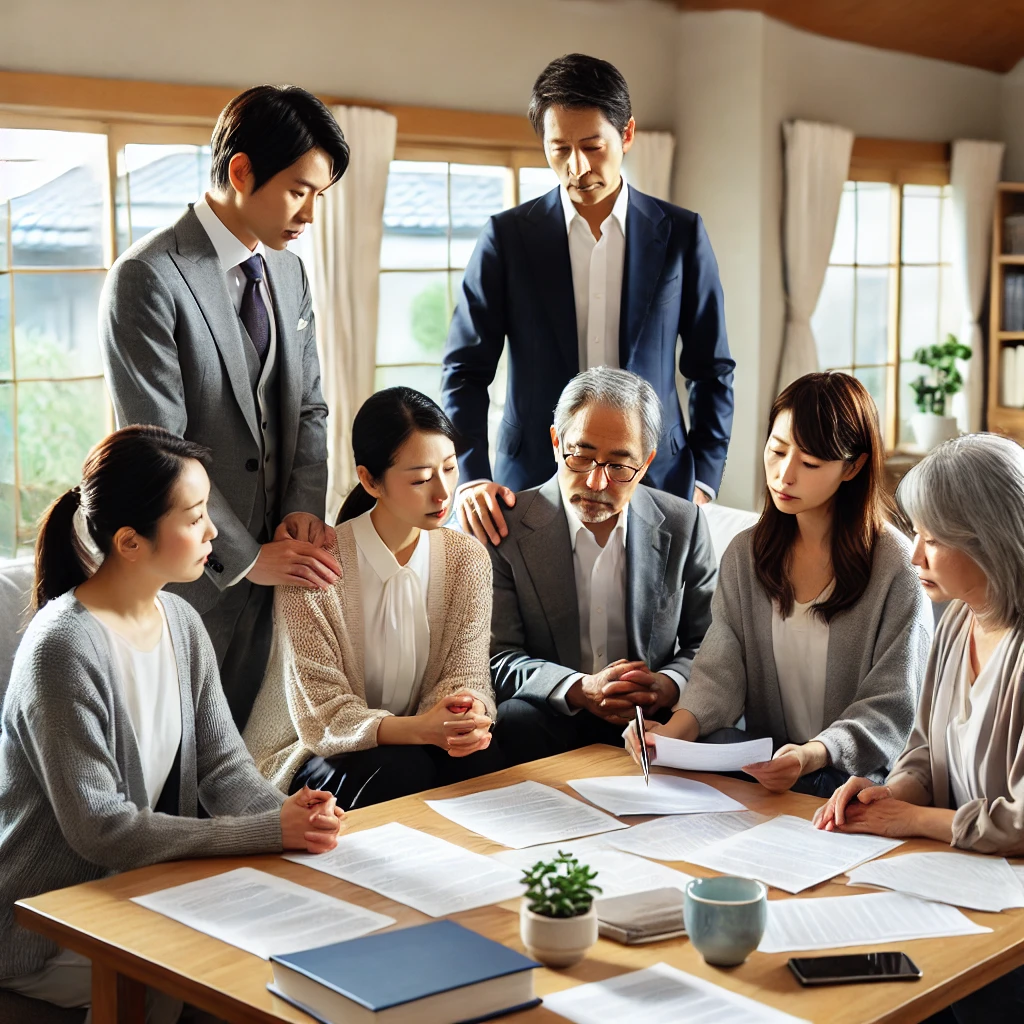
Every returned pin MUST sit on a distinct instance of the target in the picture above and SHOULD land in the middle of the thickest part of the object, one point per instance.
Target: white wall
(1012, 123)
(468, 54)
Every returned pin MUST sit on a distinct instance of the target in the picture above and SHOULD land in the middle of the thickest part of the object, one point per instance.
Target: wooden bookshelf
(1000, 418)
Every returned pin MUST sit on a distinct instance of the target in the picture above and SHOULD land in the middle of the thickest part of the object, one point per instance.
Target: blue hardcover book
(433, 973)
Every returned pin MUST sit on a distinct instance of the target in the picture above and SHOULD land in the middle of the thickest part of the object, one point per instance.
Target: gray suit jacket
(173, 355)
(535, 623)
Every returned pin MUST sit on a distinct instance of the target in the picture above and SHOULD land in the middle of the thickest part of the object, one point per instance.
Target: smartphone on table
(837, 970)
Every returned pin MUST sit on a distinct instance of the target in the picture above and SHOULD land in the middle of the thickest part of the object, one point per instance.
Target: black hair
(127, 480)
(274, 125)
(384, 423)
(577, 81)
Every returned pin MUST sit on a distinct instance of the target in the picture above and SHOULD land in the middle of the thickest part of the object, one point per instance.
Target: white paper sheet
(411, 867)
(618, 874)
(261, 913)
(660, 995)
(710, 757)
(527, 856)
(960, 879)
(1018, 870)
(667, 794)
(790, 853)
(526, 814)
(872, 919)
(676, 836)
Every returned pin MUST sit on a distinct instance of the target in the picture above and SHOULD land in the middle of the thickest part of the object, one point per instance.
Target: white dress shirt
(600, 574)
(800, 646)
(232, 253)
(152, 696)
(396, 633)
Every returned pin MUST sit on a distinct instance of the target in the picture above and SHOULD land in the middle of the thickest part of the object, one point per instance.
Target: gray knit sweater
(877, 652)
(73, 802)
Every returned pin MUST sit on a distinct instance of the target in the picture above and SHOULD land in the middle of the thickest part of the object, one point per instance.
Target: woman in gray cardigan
(114, 723)
(819, 630)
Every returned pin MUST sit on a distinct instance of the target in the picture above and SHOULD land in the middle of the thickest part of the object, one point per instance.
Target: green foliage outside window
(428, 314)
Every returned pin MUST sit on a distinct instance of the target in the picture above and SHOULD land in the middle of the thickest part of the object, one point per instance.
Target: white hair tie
(85, 538)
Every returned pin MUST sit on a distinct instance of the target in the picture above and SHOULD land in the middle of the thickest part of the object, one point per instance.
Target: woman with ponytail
(380, 685)
(114, 724)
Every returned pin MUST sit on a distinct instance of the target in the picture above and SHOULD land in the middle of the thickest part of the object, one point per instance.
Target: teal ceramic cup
(725, 918)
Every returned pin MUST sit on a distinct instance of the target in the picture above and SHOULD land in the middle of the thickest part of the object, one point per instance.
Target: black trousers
(999, 1002)
(372, 776)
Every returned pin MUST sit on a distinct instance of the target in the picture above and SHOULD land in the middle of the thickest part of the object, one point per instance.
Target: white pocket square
(302, 324)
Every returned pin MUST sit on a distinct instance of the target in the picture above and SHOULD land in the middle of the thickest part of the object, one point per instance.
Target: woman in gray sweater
(114, 724)
(819, 631)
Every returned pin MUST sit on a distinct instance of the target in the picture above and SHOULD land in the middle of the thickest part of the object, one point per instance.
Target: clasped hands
(298, 556)
(311, 820)
(458, 724)
(615, 691)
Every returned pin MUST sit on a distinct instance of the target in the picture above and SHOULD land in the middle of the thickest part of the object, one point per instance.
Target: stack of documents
(676, 836)
(790, 853)
(710, 757)
(618, 874)
(962, 879)
(428, 874)
(834, 921)
(660, 995)
(666, 794)
(524, 815)
(261, 913)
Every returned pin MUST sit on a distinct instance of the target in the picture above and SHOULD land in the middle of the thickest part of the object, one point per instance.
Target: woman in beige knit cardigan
(380, 685)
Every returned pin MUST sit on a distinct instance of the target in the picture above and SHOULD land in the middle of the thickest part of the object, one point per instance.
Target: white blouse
(972, 719)
(152, 696)
(396, 634)
(800, 645)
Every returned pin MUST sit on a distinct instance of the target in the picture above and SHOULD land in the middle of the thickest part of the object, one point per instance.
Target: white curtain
(648, 164)
(974, 175)
(817, 161)
(347, 235)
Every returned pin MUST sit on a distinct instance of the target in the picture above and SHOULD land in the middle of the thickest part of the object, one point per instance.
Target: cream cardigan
(313, 697)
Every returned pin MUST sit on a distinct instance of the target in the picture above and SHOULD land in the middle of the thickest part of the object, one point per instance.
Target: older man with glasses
(602, 588)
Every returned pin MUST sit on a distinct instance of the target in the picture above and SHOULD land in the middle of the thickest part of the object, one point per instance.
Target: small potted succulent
(931, 424)
(557, 919)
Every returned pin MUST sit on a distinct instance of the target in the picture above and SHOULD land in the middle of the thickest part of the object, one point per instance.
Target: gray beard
(603, 515)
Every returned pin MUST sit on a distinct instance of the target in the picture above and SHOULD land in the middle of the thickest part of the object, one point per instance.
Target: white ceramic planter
(557, 941)
(931, 429)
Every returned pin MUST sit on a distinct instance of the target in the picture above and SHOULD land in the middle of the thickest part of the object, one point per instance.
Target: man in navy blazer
(593, 273)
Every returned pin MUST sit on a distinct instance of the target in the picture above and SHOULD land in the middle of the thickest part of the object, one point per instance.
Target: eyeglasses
(613, 470)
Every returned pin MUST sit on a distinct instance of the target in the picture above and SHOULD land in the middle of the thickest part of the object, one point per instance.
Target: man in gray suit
(207, 329)
(602, 588)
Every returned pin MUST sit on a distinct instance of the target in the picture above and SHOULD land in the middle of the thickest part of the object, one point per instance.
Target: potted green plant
(557, 919)
(931, 424)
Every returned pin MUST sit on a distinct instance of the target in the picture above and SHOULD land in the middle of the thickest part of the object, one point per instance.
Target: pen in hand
(645, 758)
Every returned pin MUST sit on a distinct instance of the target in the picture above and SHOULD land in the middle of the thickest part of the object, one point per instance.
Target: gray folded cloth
(642, 916)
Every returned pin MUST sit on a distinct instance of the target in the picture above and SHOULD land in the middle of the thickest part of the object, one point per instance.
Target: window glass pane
(872, 341)
(55, 331)
(921, 228)
(874, 378)
(843, 248)
(5, 325)
(477, 193)
(4, 221)
(873, 223)
(535, 181)
(413, 317)
(56, 181)
(908, 372)
(8, 514)
(950, 308)
(948, 231)
(832, 321)
(426, 379)
(156, 185)
(919, 309)
(58, 422)
(415, 216)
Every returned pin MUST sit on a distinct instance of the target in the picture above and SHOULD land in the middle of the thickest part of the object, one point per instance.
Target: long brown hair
(835, 420)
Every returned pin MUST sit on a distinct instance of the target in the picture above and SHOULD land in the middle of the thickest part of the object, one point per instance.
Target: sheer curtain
(347, 236)
(974, 175)
(648, 164)
(817, 161)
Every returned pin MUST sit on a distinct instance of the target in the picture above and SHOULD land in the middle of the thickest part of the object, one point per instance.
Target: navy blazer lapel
(289, 355)
(196, 259)
(547, 555)
(647, 231)
(647, 550)
(547, 245)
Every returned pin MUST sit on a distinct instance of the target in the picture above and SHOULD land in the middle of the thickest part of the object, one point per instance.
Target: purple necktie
(253, 311)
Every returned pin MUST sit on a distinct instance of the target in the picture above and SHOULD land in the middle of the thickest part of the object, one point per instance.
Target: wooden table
(131, 946)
